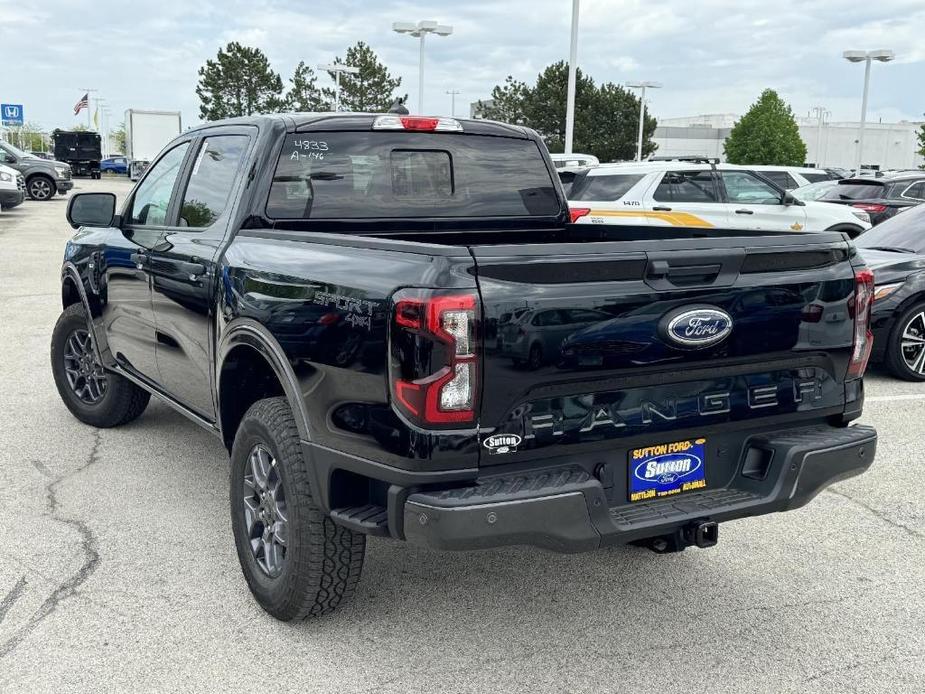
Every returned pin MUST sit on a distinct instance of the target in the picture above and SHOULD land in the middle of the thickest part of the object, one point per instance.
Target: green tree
(239, 82)
(606, 116)
(507, 102)
(117, 136)
(304, 94)
(921, 150)
(766, 134)
(371, 90)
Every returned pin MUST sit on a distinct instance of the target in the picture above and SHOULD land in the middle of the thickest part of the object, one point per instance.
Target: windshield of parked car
(855, 190)
(365, 175)
(813, 191)
(905, 230)
(16, 152)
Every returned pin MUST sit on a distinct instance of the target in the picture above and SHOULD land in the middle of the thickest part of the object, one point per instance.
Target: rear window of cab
(364, 175)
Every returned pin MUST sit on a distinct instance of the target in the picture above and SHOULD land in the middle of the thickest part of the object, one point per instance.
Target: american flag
(82, 104)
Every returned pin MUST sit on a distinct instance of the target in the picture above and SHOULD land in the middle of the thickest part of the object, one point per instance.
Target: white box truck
(146, 133)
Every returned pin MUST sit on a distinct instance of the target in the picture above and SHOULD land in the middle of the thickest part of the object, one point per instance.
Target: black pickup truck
(395, 330)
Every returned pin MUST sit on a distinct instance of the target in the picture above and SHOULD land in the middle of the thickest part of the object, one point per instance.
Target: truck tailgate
(583, 352)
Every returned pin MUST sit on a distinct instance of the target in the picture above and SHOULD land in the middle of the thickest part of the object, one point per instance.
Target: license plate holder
(667, 469)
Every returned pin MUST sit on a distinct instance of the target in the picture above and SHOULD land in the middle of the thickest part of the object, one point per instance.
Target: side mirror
(788, 199)
(91, 209)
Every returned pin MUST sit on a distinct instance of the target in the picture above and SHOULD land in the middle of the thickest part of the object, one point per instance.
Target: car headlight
(884, 290)
(61, 170)
(860, 214)
(6, 177)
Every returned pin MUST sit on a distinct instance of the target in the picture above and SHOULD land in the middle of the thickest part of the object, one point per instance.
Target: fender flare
(70, 272)
(250, 333)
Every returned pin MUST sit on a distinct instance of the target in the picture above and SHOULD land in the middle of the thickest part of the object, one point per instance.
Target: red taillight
(869, 207)
(328, 319)
(863, 337)
(425, 124)
(811, 313)
(439, 388)
(576, 213)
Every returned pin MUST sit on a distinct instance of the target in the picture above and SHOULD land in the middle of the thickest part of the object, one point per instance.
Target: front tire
(95, 396)
(905, 350)
(850, 229)
(41, 187)
(297, 562)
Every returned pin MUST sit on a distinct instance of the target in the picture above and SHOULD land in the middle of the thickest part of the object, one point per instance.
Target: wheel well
(245, 378)
(39, 174)
(69, 293)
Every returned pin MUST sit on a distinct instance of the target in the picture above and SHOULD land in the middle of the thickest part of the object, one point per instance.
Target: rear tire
(905, 349)
(297, 562)
(535, 360)
(95, 396)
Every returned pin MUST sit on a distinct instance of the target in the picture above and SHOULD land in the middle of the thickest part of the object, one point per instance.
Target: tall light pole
(452, 93)
(821, 114)
(642, 86)
(572, 70)
(337, 69)
(420, 30)
(882, 55)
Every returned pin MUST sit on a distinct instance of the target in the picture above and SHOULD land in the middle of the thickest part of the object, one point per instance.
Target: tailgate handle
(661, 268)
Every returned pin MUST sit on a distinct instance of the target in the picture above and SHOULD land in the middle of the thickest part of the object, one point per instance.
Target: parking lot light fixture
(338, 69)
(419, 31)
(882, 55)
(642, 86)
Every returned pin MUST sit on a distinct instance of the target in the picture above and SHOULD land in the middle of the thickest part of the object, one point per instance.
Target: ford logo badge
(697, 327)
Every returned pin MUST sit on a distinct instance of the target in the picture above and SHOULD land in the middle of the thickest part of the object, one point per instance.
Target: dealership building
(886, 145)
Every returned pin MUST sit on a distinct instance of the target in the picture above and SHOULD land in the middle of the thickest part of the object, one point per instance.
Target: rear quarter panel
(328, 307)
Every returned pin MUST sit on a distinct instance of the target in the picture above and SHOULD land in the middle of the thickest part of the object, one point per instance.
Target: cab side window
(152, 199)
(211, 180)
(686, 186)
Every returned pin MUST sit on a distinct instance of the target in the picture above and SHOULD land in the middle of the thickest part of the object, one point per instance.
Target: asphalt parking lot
(120, 573)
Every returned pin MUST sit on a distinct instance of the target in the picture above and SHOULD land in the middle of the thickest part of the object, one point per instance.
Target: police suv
(700, 194)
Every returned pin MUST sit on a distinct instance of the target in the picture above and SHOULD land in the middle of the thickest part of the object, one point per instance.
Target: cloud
(711, 56)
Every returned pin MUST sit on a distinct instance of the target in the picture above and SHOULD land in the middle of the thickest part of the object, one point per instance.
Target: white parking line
(892, 398)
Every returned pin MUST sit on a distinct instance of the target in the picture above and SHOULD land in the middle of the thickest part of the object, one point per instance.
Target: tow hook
(701, 533)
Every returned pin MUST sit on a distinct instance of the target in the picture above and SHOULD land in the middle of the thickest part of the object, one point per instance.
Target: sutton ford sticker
(502, 443)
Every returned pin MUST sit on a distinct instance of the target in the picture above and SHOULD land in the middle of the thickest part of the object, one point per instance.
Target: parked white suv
(688, 194)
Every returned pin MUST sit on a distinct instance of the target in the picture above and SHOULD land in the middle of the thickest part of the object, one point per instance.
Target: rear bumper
(565, 509)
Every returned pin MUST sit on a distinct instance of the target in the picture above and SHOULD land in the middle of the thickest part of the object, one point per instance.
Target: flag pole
(89, 124)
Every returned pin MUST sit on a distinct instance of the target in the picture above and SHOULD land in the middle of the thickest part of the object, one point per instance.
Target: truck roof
(307, 122)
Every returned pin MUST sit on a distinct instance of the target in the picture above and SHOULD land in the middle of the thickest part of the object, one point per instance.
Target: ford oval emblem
(695, 328)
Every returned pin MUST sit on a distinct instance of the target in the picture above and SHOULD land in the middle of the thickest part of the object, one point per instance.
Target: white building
(886, 145)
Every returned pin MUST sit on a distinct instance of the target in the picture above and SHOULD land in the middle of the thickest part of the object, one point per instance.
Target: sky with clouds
(712, 56)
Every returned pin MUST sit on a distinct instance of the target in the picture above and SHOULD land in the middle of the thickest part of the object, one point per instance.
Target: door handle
(745, 212)
(660, 208)
(193, 270)
(140, 259)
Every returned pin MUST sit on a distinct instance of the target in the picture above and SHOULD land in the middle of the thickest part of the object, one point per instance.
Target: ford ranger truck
(394, 329)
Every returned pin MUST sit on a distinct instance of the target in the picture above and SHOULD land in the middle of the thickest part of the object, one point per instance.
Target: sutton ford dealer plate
(666, 469)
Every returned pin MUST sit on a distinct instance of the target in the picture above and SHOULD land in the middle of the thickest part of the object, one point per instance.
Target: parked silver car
(535, 337)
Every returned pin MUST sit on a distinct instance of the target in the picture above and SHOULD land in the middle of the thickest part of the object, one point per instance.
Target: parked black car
(881, 198)
(312, 289)
(895, 251)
